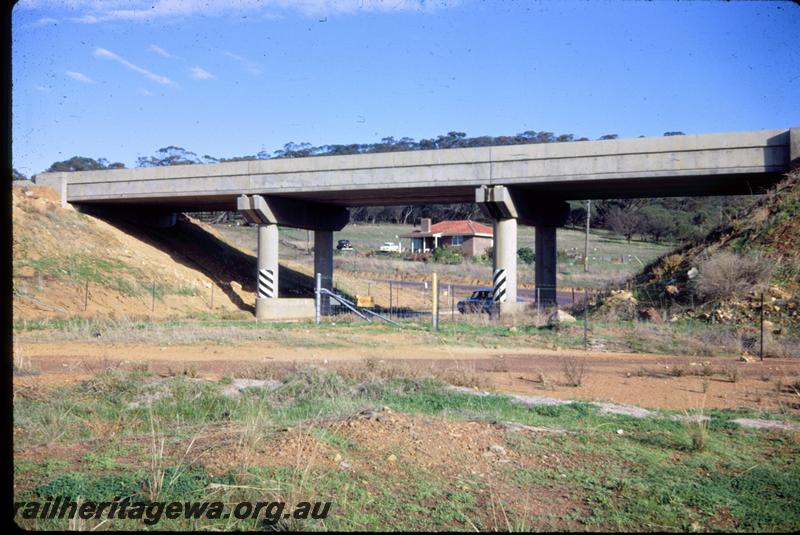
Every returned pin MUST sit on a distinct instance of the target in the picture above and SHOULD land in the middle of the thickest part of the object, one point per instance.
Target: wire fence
(592, 312)
(405, 299)
(128, 295)
(394, 299)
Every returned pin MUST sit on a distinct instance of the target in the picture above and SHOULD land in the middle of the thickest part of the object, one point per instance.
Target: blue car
(481, 300)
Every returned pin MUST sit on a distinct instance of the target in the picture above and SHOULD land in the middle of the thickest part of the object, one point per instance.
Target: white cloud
(249, 66)
(107, 54)
(198, 73)
(96, 11)
(79, 76)
(161, 52)
(45, 21)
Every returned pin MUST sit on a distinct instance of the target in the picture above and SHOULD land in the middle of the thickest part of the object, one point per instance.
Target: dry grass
(574, 369)
(726, 275)
(22, 362)
(697, 427)
(499, 365)
(372, 369)
(731, 372)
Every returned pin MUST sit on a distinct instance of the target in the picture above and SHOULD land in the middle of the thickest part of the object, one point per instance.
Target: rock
(671, 290)
(559, 317)
(650, 314)
(337, 458)
(768, 325)
(779, 293)
(620, 296)
(497, 449)
(620, 432)
(618, 305)
(743, 358)
(692, 273)
(391, 458)
(236, 286)
(237, 386)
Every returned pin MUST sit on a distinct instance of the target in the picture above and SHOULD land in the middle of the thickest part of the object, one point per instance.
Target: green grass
(651, 477)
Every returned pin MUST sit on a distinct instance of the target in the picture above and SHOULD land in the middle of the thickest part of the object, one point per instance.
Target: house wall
(475, 246)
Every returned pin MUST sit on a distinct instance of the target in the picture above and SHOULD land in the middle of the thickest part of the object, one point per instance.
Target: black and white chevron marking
(266, 283)
(499, 284)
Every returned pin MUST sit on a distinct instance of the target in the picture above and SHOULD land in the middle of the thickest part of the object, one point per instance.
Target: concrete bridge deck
(708, 164)
(528, 184)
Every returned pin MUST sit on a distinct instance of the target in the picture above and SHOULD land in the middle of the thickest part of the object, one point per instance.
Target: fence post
(452, 303)
(573, 296)
(585, 318)
(153, 298)
(761, 352)
(317, 298)
(390, 298)
(538, 307)
(86, 296)
(397, 303)
(435, 299)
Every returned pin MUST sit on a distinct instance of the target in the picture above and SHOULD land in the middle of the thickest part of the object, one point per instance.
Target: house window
(457, 240)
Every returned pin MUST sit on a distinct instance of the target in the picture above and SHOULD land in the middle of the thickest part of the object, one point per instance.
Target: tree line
(657, 219)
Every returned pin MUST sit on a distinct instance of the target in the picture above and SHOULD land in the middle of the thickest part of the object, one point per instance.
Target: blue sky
(120, 79)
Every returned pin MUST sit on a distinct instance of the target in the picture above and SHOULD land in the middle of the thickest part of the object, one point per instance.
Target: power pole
(586, 244)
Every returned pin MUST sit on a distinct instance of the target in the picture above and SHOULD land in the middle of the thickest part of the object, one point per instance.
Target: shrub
(525, 255)
(445, 255)
(727, 275)
(573, 368)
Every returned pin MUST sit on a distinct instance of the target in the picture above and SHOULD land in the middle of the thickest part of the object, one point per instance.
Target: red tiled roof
(467, 227)
(453, 228)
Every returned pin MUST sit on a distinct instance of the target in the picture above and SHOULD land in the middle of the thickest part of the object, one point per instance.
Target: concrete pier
(267, 276)
(545, 263)
(323, 262)
(505, 260)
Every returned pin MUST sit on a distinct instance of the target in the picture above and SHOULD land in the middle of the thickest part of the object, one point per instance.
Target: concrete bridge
(527, 184)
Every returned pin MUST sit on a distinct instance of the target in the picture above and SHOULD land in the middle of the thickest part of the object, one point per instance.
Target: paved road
(462, 291)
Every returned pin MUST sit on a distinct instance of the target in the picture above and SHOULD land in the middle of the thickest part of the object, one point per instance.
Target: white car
(390, 247)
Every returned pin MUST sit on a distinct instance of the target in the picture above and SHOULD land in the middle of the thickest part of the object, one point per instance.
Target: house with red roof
(469, 237)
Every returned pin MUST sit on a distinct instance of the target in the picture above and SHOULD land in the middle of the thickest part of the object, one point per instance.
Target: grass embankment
(424, 457)
(79, 269)
(685, 337)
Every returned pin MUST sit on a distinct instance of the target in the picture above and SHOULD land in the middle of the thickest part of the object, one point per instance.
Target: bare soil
(638, 379)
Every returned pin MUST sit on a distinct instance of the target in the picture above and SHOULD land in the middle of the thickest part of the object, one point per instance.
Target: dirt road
(653, 381)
